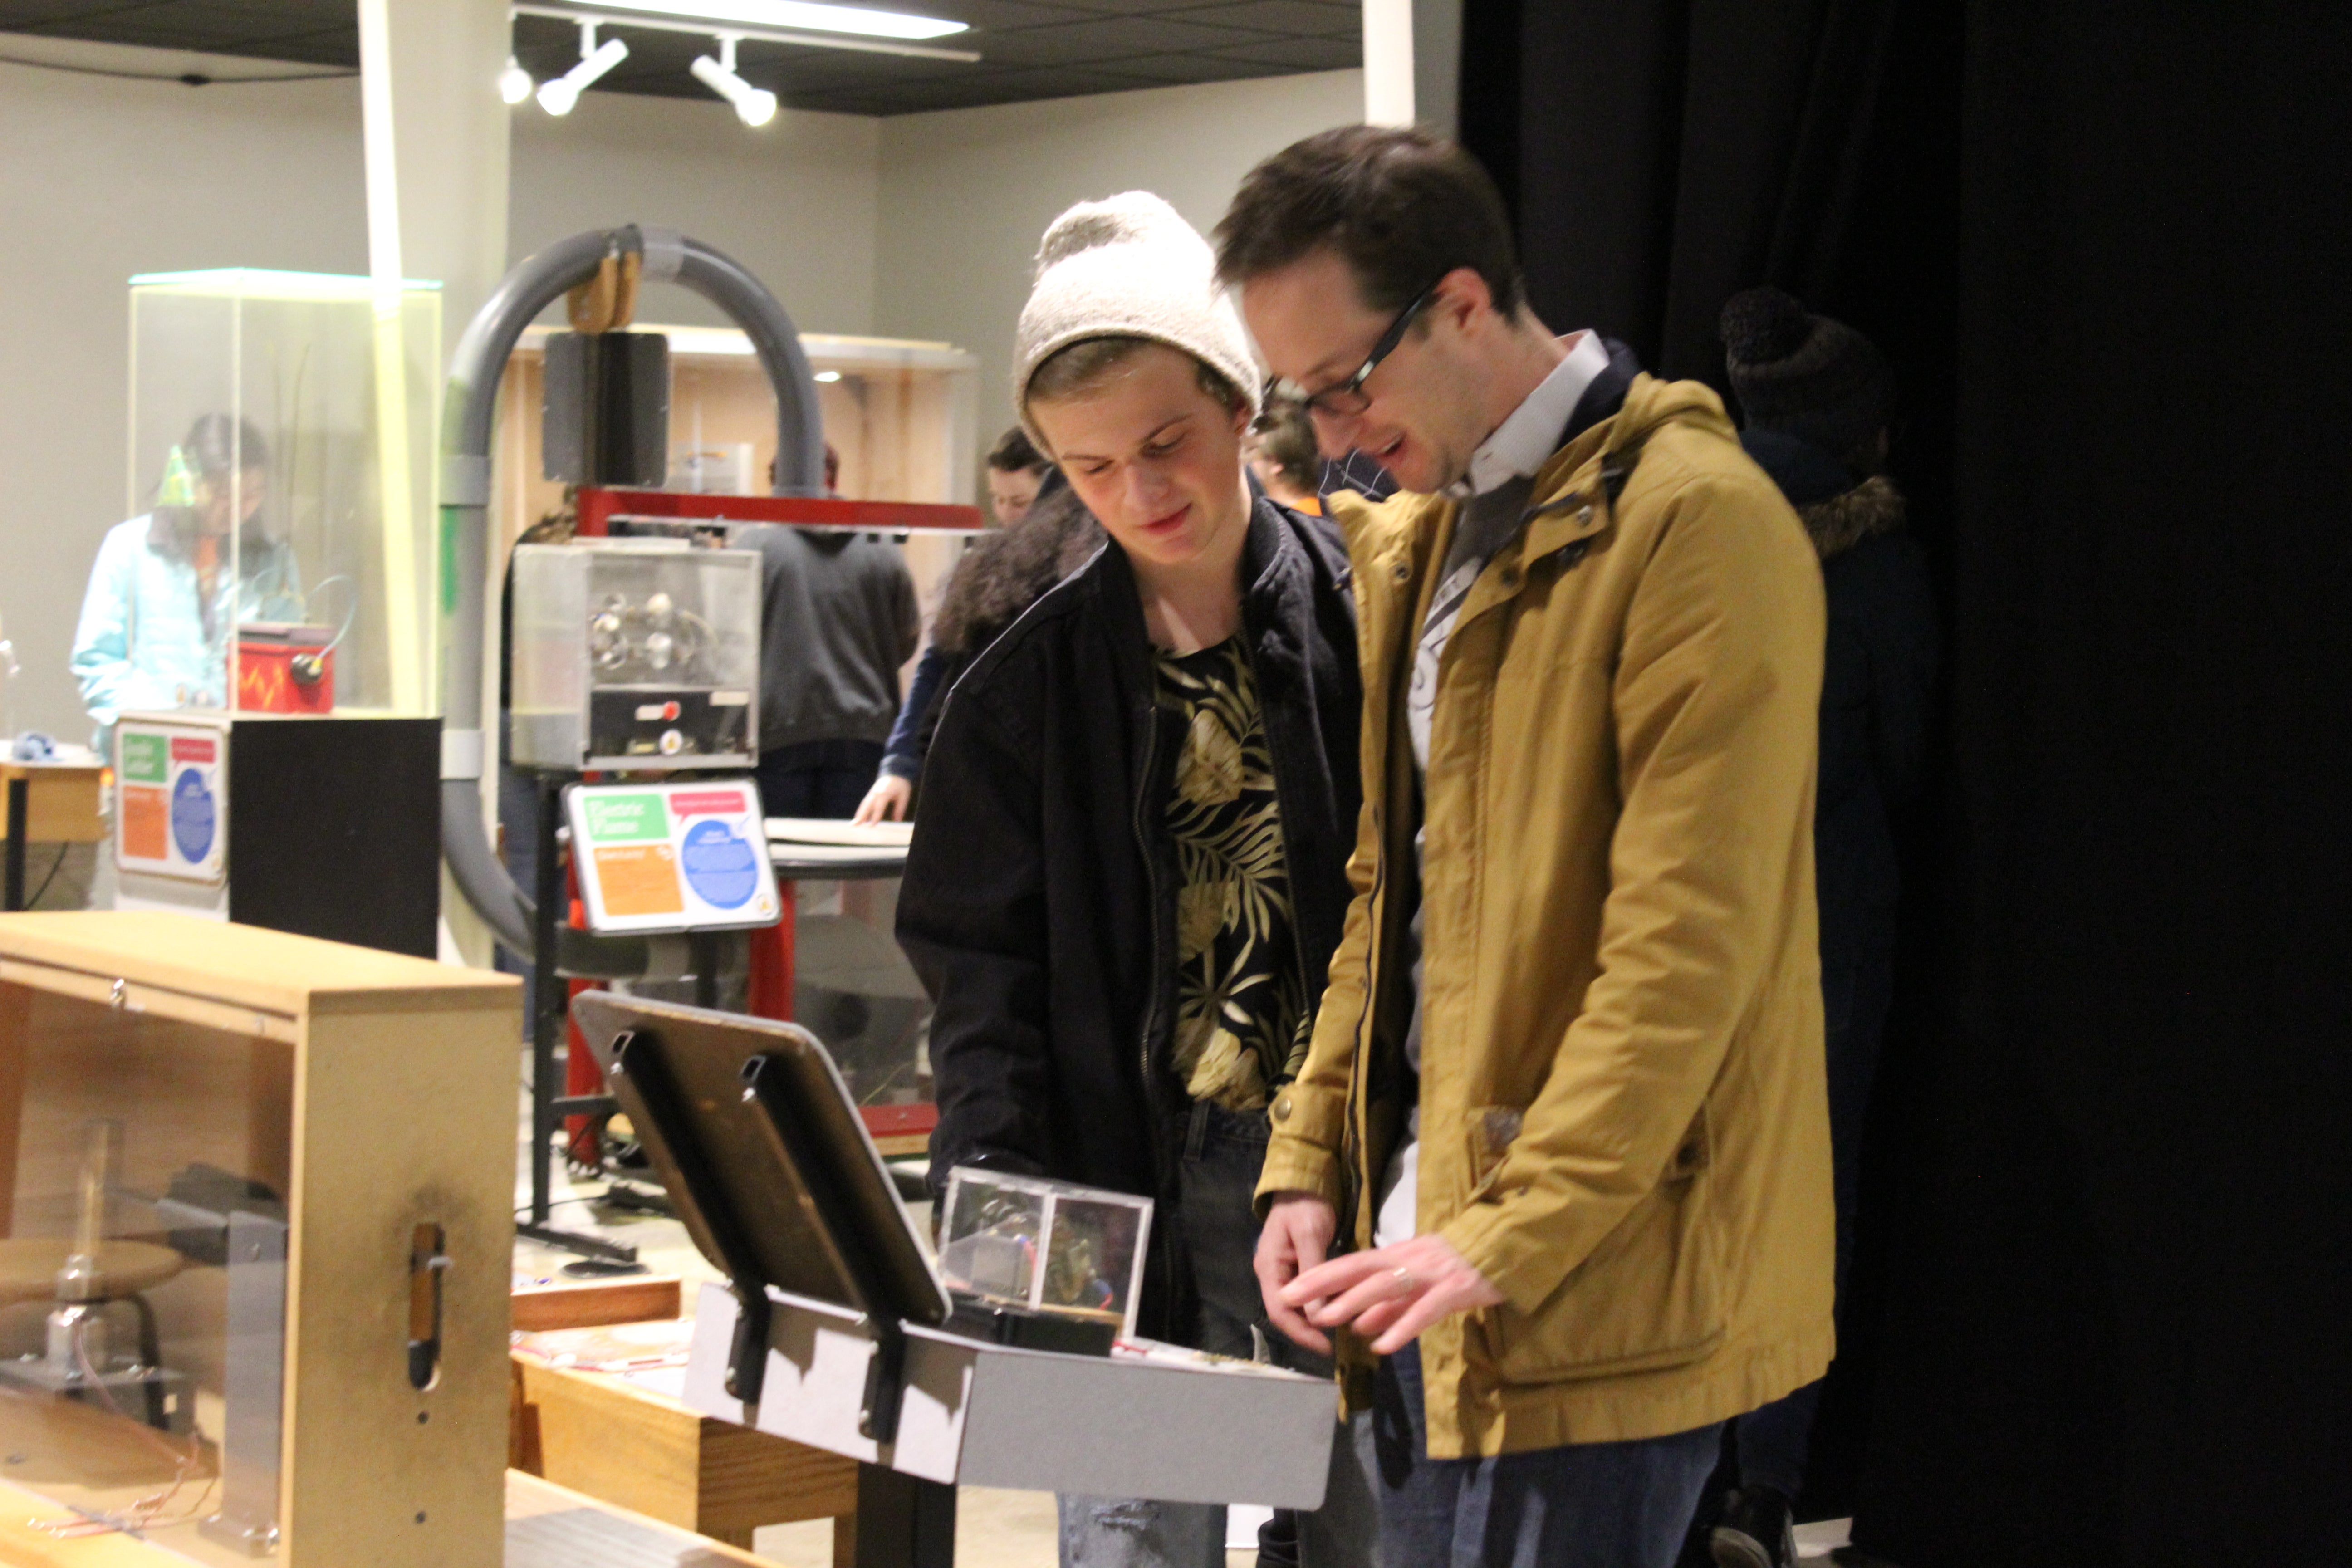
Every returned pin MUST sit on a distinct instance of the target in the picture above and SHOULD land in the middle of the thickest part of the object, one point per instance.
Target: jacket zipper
(1152, 887)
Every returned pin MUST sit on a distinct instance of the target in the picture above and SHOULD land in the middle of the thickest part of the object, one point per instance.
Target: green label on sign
(627, 818)
(145, 758)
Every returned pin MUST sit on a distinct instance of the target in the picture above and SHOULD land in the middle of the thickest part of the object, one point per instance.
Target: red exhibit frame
(598, 506)
(773, 947)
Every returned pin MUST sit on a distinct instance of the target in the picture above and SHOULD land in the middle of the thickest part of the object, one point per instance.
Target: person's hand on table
(885, 802)
(1297, 1236)
(1388, 1295)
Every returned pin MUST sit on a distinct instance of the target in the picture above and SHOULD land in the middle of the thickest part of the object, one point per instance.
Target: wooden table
(619, 1441)
(47, 802)
(547, 1526)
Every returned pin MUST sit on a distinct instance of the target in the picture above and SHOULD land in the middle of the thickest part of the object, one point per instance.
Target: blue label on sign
(718, 866)
(193, 815)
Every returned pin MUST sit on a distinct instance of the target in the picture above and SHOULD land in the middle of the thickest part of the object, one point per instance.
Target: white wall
(100, 179)
(793, 201)
(966, 193)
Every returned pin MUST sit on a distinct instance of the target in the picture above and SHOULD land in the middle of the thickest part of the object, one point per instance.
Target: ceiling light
(826, 375)
(514, 82)
(557, 97)
(795, 14)
(754, 106)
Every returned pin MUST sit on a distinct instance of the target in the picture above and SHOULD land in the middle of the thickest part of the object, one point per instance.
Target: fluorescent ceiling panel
(803, 13)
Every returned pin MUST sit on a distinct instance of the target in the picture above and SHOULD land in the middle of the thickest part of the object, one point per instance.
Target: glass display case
(853, 989)
(635, 653)
(280, 554)
(248, 1251)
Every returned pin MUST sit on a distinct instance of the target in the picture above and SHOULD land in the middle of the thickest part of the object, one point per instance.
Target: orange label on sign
(146, 823)
(638, 880)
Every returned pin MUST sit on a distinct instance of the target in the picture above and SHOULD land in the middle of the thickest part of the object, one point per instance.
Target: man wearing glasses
(1556, 1169)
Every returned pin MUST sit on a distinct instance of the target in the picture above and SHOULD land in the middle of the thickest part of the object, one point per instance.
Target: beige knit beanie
(1129, 266)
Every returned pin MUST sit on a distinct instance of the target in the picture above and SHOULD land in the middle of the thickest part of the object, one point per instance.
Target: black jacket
(1878, 678)
(1039, 904)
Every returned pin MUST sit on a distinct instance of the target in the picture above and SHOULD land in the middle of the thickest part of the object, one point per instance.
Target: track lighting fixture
(560, 96)
(514, 82)
(754, 106)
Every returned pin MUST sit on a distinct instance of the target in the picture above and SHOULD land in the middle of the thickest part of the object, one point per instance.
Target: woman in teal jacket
(167, 592)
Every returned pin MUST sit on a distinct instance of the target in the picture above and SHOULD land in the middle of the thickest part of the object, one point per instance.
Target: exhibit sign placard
(672, 857)
(171, 810)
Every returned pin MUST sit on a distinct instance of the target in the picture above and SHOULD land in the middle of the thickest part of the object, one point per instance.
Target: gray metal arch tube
(469, 412)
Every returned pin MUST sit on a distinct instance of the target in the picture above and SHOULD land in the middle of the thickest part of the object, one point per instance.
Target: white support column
(1388, 62)
(436, 186)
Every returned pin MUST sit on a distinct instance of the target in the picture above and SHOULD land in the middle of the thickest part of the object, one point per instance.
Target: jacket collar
(1273, 587)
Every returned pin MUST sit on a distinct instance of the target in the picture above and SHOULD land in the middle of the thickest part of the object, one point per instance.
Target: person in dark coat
(1817, 396)
(1129, 867)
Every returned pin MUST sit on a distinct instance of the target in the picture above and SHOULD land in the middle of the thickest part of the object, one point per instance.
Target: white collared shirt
(1521, 442)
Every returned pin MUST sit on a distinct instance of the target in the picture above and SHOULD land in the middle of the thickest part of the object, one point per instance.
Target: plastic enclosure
(637, 654)
(325, 598)
(1049, 1247)
(253, 1274)
(853, 989)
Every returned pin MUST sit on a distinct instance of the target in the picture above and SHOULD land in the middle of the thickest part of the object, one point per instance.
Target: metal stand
(20, 794)
(903, 1522)
(548, 1010)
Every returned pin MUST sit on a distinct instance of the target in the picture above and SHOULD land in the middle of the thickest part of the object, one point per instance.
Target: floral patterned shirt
(1241, 1013)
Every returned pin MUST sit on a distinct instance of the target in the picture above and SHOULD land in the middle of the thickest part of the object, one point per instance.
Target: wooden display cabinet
(265, 1184)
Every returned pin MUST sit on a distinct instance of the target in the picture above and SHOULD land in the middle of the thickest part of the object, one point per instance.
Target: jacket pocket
(1652, 1295)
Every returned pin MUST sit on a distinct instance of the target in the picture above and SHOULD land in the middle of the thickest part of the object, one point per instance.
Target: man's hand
(1390, 1292)
(1297, 1234)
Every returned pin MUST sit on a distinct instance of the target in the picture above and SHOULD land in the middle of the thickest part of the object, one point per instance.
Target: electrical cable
(185, 79)
(55, 867)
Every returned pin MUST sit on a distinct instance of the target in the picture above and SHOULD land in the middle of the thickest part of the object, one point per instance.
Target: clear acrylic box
(283, 434)
(1044, 1247)
(632, 654)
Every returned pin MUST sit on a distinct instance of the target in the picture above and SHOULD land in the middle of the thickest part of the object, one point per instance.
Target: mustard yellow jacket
(1625, 1123)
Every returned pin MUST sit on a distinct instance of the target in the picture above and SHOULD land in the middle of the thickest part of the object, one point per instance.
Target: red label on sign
(687, 803)
(192, 749)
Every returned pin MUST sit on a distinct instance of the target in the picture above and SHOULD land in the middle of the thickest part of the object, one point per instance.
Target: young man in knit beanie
(1562, 1122)
(1818, 398)
(1128, 869)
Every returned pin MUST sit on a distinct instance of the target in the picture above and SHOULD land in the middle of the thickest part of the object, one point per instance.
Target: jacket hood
(1842, 522)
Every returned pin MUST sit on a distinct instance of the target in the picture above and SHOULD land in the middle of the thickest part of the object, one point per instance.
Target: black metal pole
(20, 794)
(903, 1522)
(549, 1105)
(704, 944)
(546, 993)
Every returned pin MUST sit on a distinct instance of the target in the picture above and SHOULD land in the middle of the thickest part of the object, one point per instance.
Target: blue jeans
(1586, 1505)
(1223, 1153)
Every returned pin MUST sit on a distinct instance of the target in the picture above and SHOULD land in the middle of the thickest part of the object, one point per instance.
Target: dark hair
(1015, 453)
(216, 446)
(1287, 440)
(1075, 369)
(1402, 208)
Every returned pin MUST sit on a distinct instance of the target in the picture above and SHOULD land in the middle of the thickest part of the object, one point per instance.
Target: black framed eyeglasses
(1345, 399)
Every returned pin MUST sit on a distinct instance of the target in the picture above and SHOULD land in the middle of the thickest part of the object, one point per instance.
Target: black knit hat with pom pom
(1805, 374)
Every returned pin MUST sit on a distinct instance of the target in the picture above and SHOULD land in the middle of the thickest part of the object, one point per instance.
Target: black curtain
(2101, 1308)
